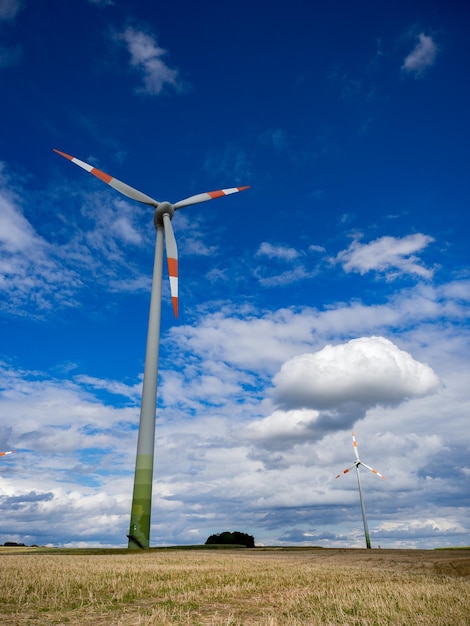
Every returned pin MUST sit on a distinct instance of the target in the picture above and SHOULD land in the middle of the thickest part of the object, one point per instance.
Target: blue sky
(331, 296)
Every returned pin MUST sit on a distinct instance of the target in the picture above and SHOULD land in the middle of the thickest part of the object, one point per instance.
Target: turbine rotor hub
(160, 210)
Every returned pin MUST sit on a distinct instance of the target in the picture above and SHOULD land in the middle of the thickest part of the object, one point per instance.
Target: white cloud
(273, 273)
(16, 233)
(191, 233)
(147, 59)
(115, 387)
(329, 390)
(29, 269)
(363, 372)
(423, 527)
(36, 405)
(277, 251)
(421, 57)
(282, 429)
(315, 248)
(224, 457)
(94, 516)
(247, 339)
(391, 256)
(50, 274)
(288, 277)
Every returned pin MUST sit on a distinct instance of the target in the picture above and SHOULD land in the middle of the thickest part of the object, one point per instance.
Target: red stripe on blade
(101, 175)
(64, 154)
(173, 267)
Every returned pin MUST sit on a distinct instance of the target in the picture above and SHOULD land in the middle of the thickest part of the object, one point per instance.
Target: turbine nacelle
(161, 209)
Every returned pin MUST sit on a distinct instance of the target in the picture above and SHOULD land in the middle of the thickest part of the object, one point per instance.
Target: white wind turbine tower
(139, 529)
(356, 464)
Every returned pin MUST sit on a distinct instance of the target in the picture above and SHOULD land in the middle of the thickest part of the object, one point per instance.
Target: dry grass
(268, 587)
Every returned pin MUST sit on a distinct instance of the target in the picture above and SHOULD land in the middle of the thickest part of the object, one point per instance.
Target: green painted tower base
(139, 528)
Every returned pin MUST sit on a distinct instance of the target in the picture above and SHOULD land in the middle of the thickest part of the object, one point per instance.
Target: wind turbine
(356, 464)
(139, 529)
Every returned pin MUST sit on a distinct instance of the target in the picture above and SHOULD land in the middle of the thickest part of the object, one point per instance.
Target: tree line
(232, 538)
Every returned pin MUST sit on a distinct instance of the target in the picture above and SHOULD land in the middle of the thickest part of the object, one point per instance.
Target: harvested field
(264, 586)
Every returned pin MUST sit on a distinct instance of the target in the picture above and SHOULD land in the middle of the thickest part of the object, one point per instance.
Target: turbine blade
(346, 471)
(355, 446)
(172, 257)
(8, 452)
(374, 471)
(123, 188)
(210, 195)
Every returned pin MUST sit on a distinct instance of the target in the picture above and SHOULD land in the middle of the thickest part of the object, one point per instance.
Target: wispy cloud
(102, 3)
(9, 9)
(315, 248)
(281, 265)
(421, 57)
(231, 163)
(89, 246)
(29, 269)
(192, 236)
(392, 256)
(147, 59)
(277, 251)
(110, 386)
(275, 137)
(284, 278)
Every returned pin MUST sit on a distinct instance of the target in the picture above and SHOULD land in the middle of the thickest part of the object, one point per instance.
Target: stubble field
(263, 586)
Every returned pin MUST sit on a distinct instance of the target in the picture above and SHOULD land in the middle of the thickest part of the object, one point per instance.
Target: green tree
(232, 538)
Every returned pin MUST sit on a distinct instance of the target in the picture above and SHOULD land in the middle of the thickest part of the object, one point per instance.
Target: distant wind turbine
(356, 464)
(139, 529)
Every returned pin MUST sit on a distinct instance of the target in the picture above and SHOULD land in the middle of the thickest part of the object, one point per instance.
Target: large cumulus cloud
(329, 390)
(365, 371)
